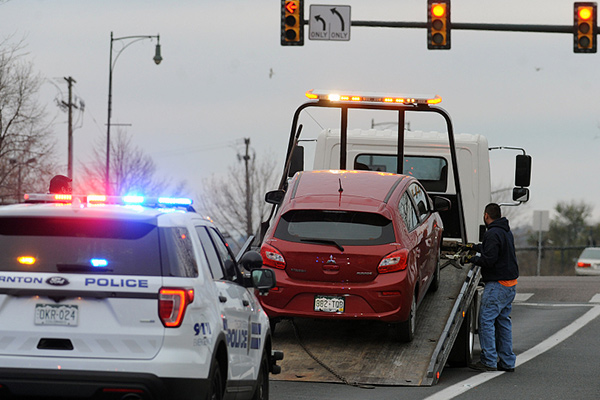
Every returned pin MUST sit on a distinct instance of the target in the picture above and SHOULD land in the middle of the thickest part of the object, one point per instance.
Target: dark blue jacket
(498, 260)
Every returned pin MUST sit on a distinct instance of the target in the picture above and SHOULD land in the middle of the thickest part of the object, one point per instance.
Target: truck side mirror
(523, 170)
(274, 197)
(521, 194)
(297, 161)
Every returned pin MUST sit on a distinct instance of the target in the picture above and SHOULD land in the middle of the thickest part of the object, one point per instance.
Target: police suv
(128, 298)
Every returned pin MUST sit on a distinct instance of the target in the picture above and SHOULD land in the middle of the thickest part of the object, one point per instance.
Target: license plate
(55, 314)
(329, 304)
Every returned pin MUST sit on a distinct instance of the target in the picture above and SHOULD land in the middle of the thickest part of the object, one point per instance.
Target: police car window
(78, 245)
(408, 213)
(421, 200)
(226, 257)
(214, 262)
(178, 252)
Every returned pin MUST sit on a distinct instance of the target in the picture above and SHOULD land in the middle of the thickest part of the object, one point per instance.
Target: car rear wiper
(81, 268)
(324, 241)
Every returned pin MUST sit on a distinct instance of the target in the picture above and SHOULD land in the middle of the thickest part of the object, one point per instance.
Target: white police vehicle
(128, 298)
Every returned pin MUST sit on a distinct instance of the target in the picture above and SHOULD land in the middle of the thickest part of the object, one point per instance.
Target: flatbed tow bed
(365, 352)
(377, 358)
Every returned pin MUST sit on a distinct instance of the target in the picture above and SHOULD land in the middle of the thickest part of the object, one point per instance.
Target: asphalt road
(556, 334)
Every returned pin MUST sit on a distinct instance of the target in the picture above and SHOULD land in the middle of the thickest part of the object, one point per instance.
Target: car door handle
(223, 299)
(245, 303)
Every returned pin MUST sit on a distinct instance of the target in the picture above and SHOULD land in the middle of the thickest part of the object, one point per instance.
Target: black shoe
(481, 367)
(500, 368)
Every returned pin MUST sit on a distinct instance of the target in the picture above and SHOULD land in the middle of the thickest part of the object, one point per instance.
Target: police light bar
(100, 199)
(367, 97)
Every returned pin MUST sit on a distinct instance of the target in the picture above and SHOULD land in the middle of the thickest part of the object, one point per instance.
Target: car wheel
(461, 354)
(216, 382)
(262, 381)
(435, 283)
(406, 329)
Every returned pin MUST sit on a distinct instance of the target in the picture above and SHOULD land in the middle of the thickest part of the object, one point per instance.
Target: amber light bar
(364, 97)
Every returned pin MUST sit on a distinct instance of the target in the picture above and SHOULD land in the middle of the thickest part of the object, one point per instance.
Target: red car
(353, 245)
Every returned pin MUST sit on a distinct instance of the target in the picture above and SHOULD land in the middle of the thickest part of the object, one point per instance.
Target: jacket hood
(501, 222)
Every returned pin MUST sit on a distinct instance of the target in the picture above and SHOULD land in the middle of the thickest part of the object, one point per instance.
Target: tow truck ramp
(366, 352)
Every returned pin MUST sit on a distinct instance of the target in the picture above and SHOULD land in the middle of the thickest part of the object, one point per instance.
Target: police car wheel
(262, 382)
(216, 382)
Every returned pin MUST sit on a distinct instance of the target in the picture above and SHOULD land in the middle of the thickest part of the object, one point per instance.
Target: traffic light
(584, 27)
(292, 25)
(438, 24)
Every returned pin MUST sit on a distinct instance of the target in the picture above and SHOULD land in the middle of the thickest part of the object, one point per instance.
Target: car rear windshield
(590, 253)
(343, 227)
(77, 245)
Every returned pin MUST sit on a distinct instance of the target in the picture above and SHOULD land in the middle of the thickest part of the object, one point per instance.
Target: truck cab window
(432, 172)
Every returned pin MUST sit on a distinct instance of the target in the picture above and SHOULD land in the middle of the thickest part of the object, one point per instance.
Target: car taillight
(396, 261)
(272, 257)
(583, 265)
(172, 303)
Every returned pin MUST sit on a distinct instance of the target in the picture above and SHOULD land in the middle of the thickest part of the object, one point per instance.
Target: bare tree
(27, 159)
(132, 171)
(233, 203)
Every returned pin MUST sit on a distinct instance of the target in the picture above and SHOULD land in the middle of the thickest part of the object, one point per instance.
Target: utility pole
(248, 196)
(70, 105)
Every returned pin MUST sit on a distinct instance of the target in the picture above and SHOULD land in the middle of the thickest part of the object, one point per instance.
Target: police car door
(237, 305)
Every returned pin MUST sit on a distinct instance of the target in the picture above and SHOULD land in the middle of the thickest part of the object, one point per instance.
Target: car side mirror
(263, 279)
(520, 194)
(441, 204)
(275, 196)
(251, 260)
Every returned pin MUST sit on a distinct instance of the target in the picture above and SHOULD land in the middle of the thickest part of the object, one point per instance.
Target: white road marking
(595, 298)
(558, 337)
(522, 297)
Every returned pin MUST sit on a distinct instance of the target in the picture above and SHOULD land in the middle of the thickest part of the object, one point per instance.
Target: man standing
(499, 272)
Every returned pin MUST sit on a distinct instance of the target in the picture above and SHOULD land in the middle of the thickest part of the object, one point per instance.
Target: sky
(225, 77)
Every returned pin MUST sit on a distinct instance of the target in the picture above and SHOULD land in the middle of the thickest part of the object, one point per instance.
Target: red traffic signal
(585, 27)
(438, 24)
(292, 25)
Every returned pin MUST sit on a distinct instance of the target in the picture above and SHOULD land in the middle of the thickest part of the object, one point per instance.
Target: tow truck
(358, 353)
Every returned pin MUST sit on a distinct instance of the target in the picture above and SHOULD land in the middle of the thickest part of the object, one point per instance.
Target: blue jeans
(495, 325)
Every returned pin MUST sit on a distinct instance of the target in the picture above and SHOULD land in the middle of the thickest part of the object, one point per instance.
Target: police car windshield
(77, 245)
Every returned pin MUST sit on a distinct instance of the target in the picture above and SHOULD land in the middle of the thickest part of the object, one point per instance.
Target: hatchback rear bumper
(29, 383)
(388, 298)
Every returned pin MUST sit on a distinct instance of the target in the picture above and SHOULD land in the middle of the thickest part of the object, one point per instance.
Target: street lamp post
(157, 59)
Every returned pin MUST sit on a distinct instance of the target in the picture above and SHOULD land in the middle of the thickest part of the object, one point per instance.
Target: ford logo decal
(57, 281)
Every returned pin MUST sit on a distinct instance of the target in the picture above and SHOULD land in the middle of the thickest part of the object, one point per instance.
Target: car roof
(366, 191)
(108, 211)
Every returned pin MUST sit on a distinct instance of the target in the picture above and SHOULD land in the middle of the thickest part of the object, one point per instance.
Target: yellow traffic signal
(438, 24)
(292, 25)
(584, 27)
